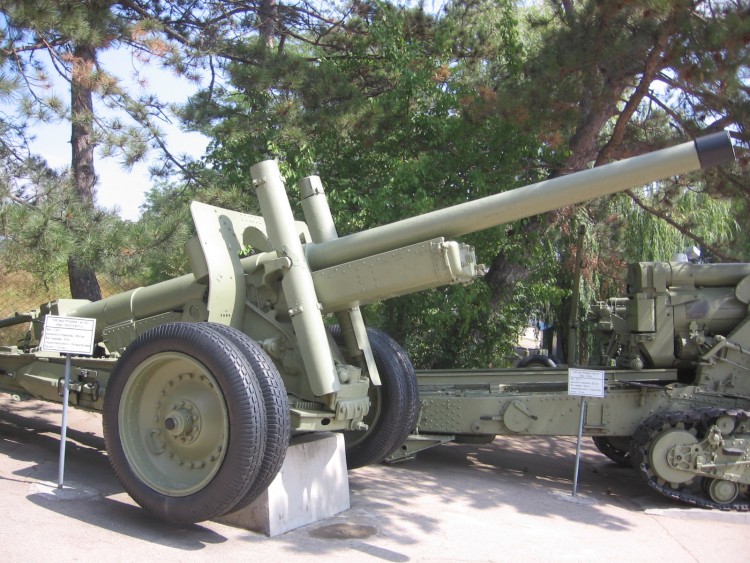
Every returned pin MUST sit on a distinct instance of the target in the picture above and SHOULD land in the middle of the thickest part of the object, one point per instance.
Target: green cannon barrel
(642, 276)
(527, 201)
(454, 221)
(141, 302)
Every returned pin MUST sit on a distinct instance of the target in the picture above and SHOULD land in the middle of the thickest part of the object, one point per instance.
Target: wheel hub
(184, 432)
(183, 422)
(722, 491)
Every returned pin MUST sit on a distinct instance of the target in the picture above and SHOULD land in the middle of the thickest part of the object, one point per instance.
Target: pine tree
(41, 38)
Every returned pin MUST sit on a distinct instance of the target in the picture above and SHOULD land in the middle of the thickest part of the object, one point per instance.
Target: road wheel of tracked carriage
(184, 422)
(394, 407)
(276, 403)
(616, 448)
(662, 451)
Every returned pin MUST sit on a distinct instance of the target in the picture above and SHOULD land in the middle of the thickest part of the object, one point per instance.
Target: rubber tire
(536, 361)
(276, 403)
(243, 401)
(397, 402)
(619, 456)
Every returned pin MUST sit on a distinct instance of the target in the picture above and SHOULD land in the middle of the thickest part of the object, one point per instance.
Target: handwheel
(276, 406)
(184, 422)
(394, 404)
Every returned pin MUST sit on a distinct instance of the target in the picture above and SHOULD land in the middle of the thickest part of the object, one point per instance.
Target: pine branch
(166, 29)
(654, 63)
(668, 110)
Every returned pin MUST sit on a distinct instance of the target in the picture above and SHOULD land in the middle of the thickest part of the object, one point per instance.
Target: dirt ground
(507, 501)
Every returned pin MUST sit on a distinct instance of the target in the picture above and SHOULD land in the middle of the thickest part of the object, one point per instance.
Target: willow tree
(604, 80)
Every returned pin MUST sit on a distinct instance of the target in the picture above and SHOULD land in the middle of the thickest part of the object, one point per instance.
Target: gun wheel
(616, 448)
(394, 404)
(721, 491)
(662, 446)
(537, 361)
(276, 403)
(170, 403)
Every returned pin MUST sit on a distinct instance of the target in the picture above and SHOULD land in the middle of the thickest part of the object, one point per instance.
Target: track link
(697, 422)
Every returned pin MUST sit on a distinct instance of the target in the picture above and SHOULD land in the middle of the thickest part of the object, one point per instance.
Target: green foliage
(402, 111)
(396, 125)
(644, 237)
(47, 222)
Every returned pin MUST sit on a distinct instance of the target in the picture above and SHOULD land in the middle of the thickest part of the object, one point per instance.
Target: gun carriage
(202, 379)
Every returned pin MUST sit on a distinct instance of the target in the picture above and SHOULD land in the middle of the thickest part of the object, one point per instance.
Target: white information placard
(69, 335)
(585, 382)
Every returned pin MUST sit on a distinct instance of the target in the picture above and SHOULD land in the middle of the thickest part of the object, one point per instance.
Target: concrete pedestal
(312, 485)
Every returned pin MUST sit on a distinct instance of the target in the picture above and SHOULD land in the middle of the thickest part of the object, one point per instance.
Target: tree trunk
(83, 282)
(268, 14)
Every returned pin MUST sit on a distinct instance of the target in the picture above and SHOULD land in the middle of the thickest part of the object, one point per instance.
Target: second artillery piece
(201, 379)
(677, 376)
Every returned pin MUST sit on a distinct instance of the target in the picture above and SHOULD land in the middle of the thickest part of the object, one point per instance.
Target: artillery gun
(677, 378)
(692, 319)
(202, 379)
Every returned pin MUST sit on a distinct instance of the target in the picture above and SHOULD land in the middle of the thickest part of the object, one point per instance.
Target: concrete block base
(312, 485)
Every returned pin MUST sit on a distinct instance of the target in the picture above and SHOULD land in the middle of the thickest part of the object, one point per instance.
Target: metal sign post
(578, 446)
(583, 383)
(64, 423)
(67, 335)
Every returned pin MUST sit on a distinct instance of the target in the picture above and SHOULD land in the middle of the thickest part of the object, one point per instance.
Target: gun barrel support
(526, 201)
(299, 290)
(322, 228)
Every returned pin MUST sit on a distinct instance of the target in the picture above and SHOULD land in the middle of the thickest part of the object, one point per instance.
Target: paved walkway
(507, 501)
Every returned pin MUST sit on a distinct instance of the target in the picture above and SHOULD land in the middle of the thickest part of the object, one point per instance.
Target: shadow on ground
(91, 491)
(531, 476)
